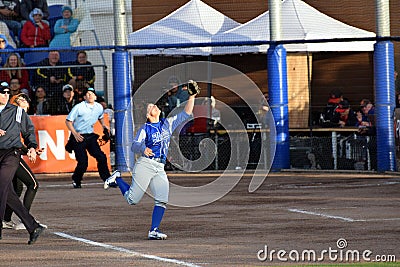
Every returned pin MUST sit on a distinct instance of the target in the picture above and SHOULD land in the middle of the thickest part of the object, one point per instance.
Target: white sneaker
(156, 235)
(110, 182)
(19, 226)
(8, 225)
(43, 225)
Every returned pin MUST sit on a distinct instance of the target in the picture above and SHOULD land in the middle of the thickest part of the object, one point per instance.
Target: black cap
(4, 87)
(90, 89)
(23, 95)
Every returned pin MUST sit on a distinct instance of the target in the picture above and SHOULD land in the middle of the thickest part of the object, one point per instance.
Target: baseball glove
(193, 88)
(105, 138)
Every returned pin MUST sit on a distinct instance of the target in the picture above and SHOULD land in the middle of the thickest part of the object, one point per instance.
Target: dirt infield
(294, 212)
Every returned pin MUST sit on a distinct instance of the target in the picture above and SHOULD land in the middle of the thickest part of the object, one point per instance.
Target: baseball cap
(4, 87)
(67, 87)
(22, 95)
(90, 89)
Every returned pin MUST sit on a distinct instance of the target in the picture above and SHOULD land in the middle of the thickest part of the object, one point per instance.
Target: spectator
(85, 75)
(344, 115)
(10, 15)
(396, 82)
(263, 109)
(63, 29)
(4, 30)
(52, 79)
(398, 100)
(15, 87)
(35, 33)
(4, 45)
(67, 102)
(41, 105)
(215, 113)
(28, 5)
(366, 118)
(14, 61)
(176, 95)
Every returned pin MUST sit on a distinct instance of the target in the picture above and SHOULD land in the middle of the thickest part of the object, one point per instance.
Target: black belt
(159, 160)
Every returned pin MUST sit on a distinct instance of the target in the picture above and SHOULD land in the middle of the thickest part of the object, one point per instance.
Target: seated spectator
(63, 29)
(35, 33)
(15, 87)
(66, 103)
(335, 97)
(10, 15)
(14, 61)
(4, 30)
(41, 105)
(366, 118)
(52, 79)
(28, 5)
(367, 107)
(85, 75)
(4, 45)
(344, 115)
(176, 95)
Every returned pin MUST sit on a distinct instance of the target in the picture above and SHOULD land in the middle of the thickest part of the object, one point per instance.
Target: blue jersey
(157, 136)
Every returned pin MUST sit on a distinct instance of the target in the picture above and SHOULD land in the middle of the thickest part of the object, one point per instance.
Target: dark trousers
(89, 144)
(9, 161)
(23, 176)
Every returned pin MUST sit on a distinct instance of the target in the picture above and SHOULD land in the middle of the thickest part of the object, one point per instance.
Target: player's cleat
(110, 182)
(19, 226)
(76, 185)
(155, 234)
(35, 234)
(8, 225)
(43, 225)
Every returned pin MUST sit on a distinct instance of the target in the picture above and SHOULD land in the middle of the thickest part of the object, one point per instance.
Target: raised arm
(190, 104)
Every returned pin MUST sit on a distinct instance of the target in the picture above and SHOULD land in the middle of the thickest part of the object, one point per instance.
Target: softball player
(23, 175)
(152, 142)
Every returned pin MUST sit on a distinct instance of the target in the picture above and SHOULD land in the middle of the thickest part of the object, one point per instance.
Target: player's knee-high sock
(158, 213)
(123, 186)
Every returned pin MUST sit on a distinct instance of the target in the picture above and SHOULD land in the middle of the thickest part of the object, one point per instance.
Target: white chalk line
(346, 219)
(124, 250)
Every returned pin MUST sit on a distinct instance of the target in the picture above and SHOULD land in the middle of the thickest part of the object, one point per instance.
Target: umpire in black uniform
(14, 123)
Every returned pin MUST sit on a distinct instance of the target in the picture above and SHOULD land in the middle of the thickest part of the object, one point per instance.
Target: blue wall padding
(385, 104)
(122, 97)
(278, 95)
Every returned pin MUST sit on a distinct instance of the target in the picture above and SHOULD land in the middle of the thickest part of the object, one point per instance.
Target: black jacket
(16, 122)
(28, 5)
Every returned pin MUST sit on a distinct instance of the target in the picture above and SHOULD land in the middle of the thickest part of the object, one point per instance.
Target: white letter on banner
(46, 140)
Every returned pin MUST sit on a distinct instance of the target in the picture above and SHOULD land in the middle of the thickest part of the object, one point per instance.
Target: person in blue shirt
(151, 143)
(4, 45)
(63, 29)
(80, 122)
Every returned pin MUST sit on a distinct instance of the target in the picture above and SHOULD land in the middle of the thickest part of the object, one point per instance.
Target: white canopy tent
(300, 21)
(194, 22)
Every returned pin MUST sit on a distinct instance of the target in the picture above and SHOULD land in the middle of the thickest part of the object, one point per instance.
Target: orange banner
(52, 135)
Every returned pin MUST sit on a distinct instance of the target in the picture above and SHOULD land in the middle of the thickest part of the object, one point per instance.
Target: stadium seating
(55, 14)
